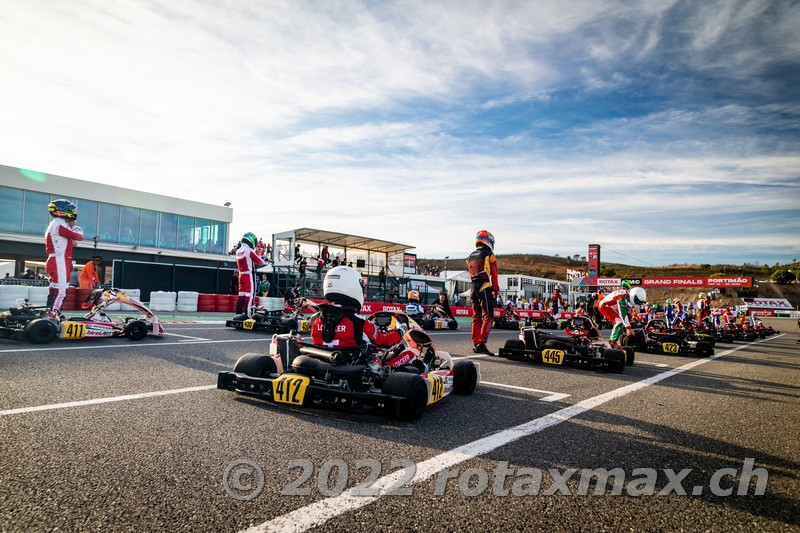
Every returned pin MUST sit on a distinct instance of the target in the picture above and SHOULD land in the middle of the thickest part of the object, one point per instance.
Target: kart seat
(308, 366)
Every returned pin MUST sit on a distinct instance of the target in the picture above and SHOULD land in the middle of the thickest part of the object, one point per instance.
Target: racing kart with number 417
(399, 382)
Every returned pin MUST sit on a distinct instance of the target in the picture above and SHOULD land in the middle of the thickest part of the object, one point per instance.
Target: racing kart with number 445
(399, 382)
(580, 347)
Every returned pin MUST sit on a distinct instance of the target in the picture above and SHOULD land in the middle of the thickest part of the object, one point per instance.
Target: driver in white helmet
(338, 324)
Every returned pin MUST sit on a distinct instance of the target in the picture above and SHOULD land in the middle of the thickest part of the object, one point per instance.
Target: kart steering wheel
(383, 320)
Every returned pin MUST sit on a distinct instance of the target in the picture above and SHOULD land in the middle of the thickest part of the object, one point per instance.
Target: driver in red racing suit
(59, 238)
(482, 266)
(338, 324)
(247, 260)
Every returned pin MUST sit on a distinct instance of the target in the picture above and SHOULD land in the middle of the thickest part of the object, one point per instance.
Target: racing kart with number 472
(656, 338)
(580, 347)
(399, 382)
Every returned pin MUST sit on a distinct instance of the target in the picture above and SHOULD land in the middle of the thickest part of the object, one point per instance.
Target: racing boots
(481, 348)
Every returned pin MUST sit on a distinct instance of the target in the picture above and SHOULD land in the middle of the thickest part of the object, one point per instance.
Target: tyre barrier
(38, 295)
(207, 302)
(9, 294)
(80, 298)
(163, 301)
(187, 301)
(224, 303)
(71, 300)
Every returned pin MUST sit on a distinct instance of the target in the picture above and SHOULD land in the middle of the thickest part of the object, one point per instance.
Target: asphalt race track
(124, 436)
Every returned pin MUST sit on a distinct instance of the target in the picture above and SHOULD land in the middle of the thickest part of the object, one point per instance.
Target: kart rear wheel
(453, 324)
(239, 318)
(465, 377)
(136, 330)
(630, 356)
(413, 391)
(41, 331)
(288, 325)
(257, 365)
(704, 348)
(616, 363)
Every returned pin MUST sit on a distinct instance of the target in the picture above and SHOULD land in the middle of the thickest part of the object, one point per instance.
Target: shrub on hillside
(782, 276)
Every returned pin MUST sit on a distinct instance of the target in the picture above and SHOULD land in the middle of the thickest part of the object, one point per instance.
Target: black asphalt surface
(157, 463)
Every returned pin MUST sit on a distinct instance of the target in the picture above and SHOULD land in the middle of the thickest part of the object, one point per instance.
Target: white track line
(187, 337)
(96, 401)
(133, 344)
(551, 396)
(457, 357)
(660, 365)
(319, 512)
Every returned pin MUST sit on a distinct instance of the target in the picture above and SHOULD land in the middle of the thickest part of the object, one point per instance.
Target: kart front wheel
(616, 361)
(136, 330)
(465, 377)
(288, 325)
(41, 331)
(413, 391)
(255, 364)
(630, 356)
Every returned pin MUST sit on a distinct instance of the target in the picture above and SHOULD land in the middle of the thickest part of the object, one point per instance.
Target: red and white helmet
(485, 237)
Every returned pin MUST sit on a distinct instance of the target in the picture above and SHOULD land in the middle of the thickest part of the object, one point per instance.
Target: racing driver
(482, 266)
(247, 261)
(615, 308)
(59, 238)
(339, 324)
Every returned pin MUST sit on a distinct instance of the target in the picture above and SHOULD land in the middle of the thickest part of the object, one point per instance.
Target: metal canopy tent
(337, 240)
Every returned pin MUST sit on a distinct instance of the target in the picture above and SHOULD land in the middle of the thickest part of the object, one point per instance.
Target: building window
(129, 225)
(11, 210)
(35, 216)
(108, 222)
(87, 218)
(168, 230)
(149, 228)
(217, 238)
(202, 232)
(512, 282)
(185, 233)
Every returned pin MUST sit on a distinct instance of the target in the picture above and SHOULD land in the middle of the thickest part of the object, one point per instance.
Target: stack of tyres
(81, 296)
(207, 302)
(187, 301)
(232, 299)
(162, 301)
(71, 300)
(223, 303)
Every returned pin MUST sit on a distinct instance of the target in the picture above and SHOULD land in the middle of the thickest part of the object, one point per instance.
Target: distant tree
(705, 266)
(782, 276)
(583, 258)
(765, 270)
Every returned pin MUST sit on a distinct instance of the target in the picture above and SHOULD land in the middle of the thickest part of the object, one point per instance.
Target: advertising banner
(593, 262)
(699, 281)
(768, 303)
(409, 263)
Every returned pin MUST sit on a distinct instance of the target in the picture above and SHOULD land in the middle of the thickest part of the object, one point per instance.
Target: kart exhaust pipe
(323, 355)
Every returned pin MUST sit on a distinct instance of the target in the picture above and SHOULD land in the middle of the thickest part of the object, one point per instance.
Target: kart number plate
(553, 357)
(248, 324)
(437, 387)
(670, 347)
(305, 326)
(290, 388)
(439, 325)
(73, 330)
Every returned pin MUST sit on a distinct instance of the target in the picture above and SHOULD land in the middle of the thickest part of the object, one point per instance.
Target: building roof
(343, 240)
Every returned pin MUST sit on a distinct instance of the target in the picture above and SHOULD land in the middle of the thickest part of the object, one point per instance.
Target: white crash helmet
(343, 286)
(638, 296)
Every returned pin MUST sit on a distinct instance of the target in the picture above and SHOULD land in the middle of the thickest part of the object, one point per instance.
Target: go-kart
(509, 319)
(96, 324)
(692, 332)
(38, 326)
(546, 321)
(27, 322)
(656, 338)
(740, 332)
(399, 382)
(581, 347)
(290, 319)
(436, 317)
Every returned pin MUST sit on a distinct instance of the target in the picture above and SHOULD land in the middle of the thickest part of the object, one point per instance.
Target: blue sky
(668, 131)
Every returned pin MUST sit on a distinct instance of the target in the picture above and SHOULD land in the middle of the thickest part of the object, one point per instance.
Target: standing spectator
(89, 278)
(260, 249)
(326, 255)
(59, 238)
(290, 294)
(74, 278)
(235, 282)
(28, 274)
(320, 264)
(382, 279)
(336, 261)
(482, 267)
(303, 264)
(268, 252)
(297, 255)
(456, 299)
(7, 279)
(263, 286)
